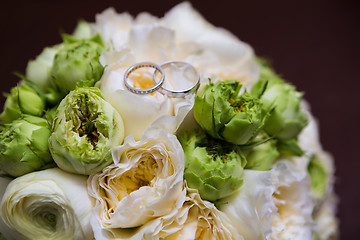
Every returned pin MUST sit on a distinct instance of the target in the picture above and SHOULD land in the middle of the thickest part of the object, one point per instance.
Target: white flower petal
(235, 58)
(48, 204)
(195, 219)
(113, 27)
(250, 209)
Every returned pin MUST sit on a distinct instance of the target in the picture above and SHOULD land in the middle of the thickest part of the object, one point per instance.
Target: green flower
(77, 64)
(283, 101)
(226, 115)
(22, 99)
(318, 175)
(24, 145)
(84, 130)
(212, 166)
(262, 156)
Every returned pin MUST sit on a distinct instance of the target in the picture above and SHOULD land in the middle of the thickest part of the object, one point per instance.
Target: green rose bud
(226, 115)
(261, 157)
(22, 99)
(84, 130)
(213, 167)
(319, 176)
(77, 64)
(286, 119)
(24, 145)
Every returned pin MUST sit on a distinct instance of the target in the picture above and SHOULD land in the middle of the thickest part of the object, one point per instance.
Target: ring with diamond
(180, 93)
(154, 88)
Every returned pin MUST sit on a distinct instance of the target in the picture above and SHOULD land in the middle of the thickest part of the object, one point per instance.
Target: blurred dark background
(313, 44)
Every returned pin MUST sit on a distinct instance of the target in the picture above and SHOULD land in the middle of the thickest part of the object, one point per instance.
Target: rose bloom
(182, 34)
(145, 182)
(194, 219)
(273, 204)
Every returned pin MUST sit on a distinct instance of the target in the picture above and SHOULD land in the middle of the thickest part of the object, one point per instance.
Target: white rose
(195, 219)
(139, 112)
(273, 204)
(214, 52)
(145, 182)
(49, 204)
(250, 209)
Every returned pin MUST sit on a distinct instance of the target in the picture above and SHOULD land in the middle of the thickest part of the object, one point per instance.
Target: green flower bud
(226, 115)
(22, 99)
(213, 167)
(283, 101)
(24, 145)
(84, 130)
(77, 64)
(318, 175)
(261, 157)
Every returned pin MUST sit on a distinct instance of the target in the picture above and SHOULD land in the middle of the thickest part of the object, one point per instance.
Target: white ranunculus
(214, 52)
(48, 204)
(251, 208)
(145, 182)
(292, 198)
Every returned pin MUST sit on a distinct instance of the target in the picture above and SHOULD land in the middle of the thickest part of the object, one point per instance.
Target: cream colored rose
(194, 219)
(48, 204)
(145, 182)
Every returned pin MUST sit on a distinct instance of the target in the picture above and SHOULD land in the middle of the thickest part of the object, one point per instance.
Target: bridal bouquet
(160, 128)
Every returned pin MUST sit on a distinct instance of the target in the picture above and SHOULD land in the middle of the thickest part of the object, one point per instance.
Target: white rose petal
(195, 219)
(234, 59)
(250, 209)
(49, 204)
(145, 182)
(113, 27)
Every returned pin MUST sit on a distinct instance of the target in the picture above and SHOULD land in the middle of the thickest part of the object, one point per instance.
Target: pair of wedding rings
(158, 85)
